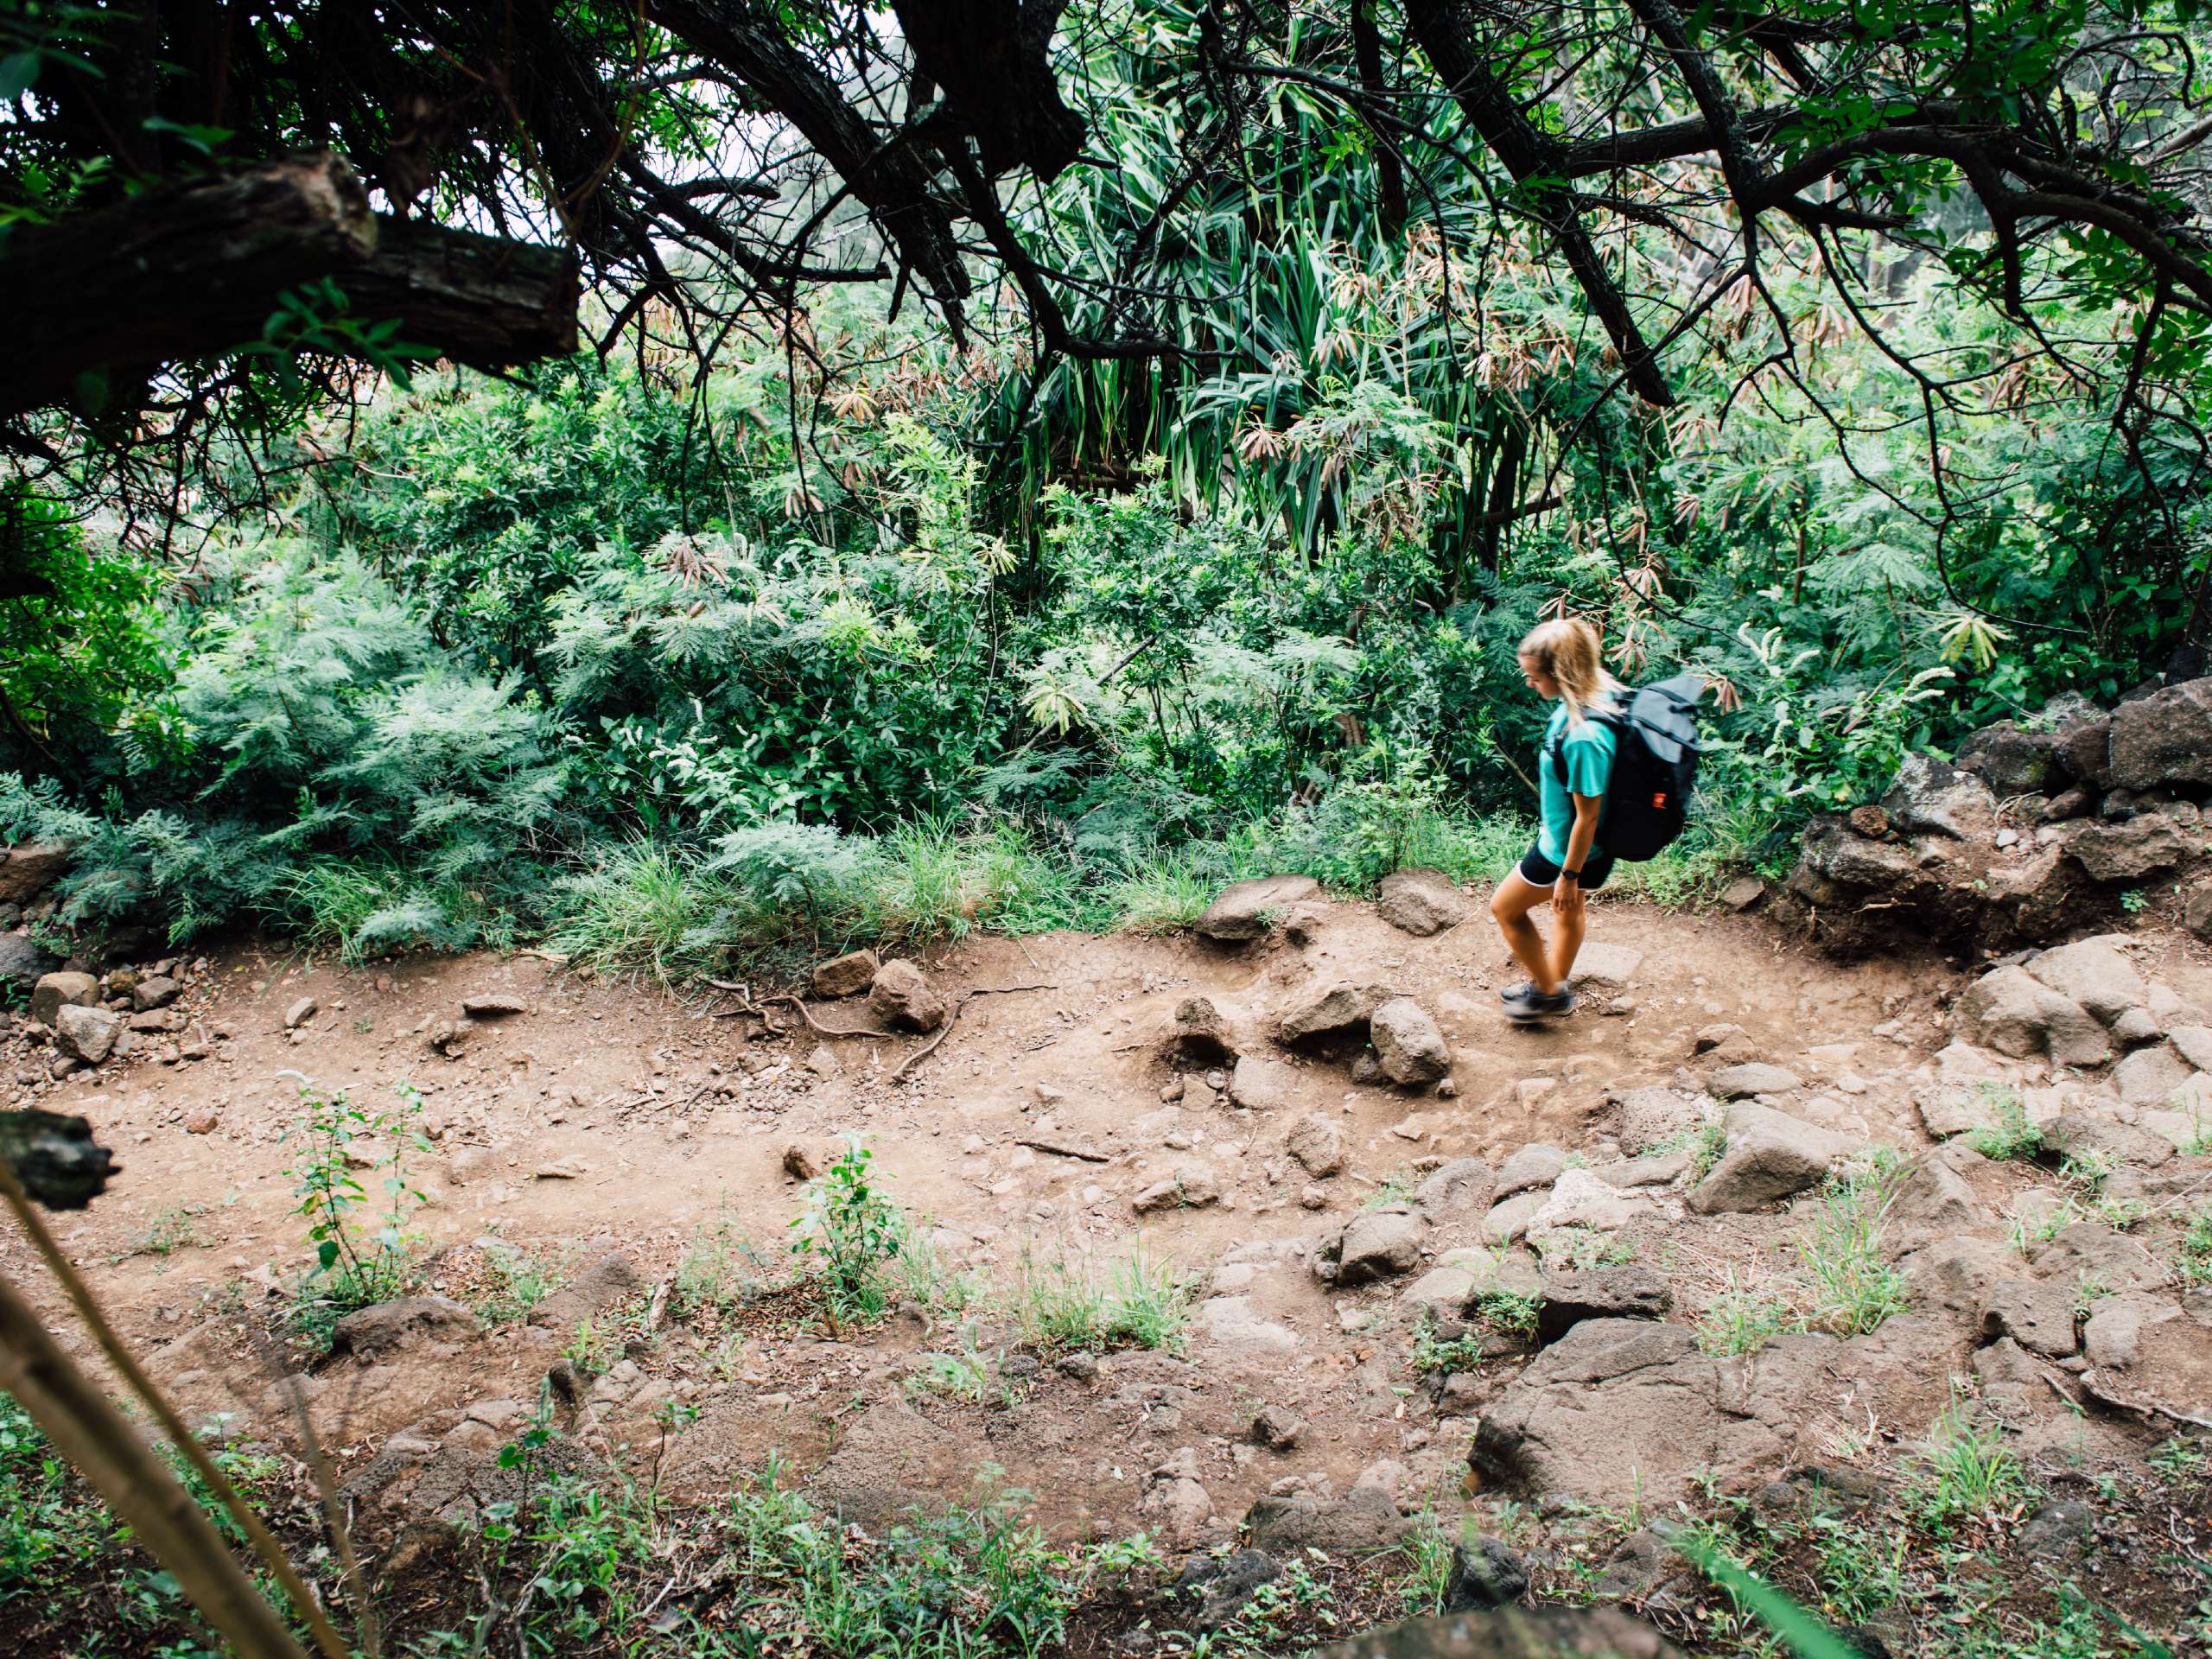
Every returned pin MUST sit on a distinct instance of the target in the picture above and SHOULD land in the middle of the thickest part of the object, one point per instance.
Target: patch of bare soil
(1362, 1307)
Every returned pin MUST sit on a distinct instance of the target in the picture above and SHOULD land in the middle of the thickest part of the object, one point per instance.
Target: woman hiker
(1559, 661)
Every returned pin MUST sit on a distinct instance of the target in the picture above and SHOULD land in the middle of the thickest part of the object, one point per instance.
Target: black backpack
(1655, 767)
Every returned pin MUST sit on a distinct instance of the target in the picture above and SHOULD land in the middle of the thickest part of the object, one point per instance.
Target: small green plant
(2134, 901)
(1434, 1354)
(1585, 1248)
(965, 1375)
(1739, 1320)
(721, 1270)
(1853, 1289)
(922, 1271)
(1708, 1145)
(2183, 1463)
(2010, 1135)
(591, 1350)
(364, 1253)
(1063, 1305)
(1965, 1473)
(170, 1231)
(2194, 1260)
(522, 1280)
(852, 1230)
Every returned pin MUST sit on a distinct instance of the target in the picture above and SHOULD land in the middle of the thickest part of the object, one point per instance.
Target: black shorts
(1539, 872)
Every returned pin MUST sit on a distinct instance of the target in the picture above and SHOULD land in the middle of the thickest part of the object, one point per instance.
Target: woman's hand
(1566, 899)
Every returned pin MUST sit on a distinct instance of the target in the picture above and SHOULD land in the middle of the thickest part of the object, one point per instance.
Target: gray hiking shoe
(1531, 1004)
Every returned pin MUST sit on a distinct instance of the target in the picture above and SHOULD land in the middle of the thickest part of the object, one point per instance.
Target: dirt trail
(604, 1117)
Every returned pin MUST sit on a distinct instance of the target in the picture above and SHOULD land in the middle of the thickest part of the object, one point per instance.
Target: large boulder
(23, 960)
(901, 996)
(1931, 797)
(1246, 910)
(1626, 1291)
(1364, 1521)
(1420, 902)
(369, 1333)
(1770, 1156)
(2131, 851)
(29, 868)
(2094, 973)
(56, 991)
(1407, 1043)
(2009, 1010)
(1327, 1006)
(2163, 739)
(2009, 760)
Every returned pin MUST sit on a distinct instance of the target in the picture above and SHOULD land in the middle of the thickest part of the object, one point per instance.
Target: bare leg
(1511, 905)
(1566, 941)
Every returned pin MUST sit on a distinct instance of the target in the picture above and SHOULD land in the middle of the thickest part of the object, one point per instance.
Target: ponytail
(1566, 651)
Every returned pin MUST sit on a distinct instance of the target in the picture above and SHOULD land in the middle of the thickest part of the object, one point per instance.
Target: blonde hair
(1565, 651)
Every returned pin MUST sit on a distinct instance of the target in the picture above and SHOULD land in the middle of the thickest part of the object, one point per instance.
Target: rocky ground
(1754, 1237)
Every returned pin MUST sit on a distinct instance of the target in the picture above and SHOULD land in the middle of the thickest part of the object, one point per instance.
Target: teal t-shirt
(1588, 750)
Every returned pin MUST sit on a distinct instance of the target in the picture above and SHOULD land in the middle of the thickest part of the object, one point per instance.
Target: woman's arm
(1567, 892)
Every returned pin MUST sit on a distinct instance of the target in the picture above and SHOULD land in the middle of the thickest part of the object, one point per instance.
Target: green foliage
(852, 1230)
(1063, 1306)
(1965, 1473)
(720, 1268)
(2011, 1134)
(363, 1253)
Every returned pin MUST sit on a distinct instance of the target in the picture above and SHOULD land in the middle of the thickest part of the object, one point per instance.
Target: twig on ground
(945, 1030)
(1059, 1151)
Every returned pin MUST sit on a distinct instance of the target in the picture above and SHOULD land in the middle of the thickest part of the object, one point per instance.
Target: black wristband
(1574, 876)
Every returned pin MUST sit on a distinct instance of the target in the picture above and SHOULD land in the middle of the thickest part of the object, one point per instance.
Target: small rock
(299, 1013)
(2057, 1532)
(1408, 1044)
(1770, 1156)
(493, 1005)
(1625, 1292)
(1484, 1574)
(1743, 893)
(1318, 1144)
(1328, 1006)
(1580, 1200)
(200, 1123)
(1277, 1426)
(1191, 1186)
(1740, 1082)
(801, 1162)
(87, 1034)
(846, 976)
(561, 1169)
(2038, 1314)
(1379, 1244)
(1256, 1085)
(1533, 1165)
(157, 992)
(54, 992)
(900, 996)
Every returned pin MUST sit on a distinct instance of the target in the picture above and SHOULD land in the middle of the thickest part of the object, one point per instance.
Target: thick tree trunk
(194, 269)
